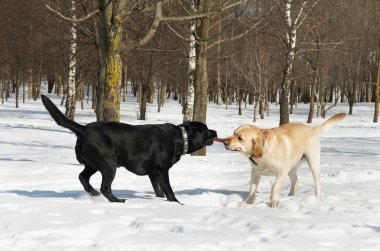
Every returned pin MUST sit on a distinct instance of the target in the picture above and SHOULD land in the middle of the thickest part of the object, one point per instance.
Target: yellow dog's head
(248, 140)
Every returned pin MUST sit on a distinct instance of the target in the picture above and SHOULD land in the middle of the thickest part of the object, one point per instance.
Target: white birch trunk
(291, 36)
(188, 115)
(30, 84)
(70, 105)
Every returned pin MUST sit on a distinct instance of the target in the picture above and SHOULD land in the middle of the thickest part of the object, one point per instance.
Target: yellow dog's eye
(240, 138)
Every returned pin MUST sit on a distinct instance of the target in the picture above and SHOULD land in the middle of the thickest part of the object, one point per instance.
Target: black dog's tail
(59, 118)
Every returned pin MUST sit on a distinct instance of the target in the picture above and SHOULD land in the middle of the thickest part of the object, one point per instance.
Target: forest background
(261, 52)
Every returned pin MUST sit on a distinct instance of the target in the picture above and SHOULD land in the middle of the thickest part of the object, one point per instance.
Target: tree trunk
(2, 91)
(261, 108)
(159, 95)
(189, 104)
(319, 101)
(100, 91)
(151, 92)
(313, 92)
(284, 97)
(50, 80)
(292, 95)
(351, 105)
(59, 85)
(201, 79)
(331, 96)
(143, 100)
(70, 105)
(113, 70)
(226, 88)
(291, 34)
(239, 102)
(17, 88)
(125, 82)
(30, 84)
(376, 113)
(110, 37)
(218, 95)
(255, 111)
(7, 89)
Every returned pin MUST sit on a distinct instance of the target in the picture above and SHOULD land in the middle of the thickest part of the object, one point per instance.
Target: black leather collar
(185, 140)
(253, 161)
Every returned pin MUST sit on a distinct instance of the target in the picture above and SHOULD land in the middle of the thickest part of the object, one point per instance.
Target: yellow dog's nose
(225, 141)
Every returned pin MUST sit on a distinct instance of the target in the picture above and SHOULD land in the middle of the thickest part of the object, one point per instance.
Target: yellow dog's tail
(329, 123)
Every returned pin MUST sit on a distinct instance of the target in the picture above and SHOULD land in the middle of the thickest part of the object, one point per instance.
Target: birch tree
(111, 45)
(377, 99)
(293, 19)
(70, 104)
(189, 105)
(203, 26)
(313, 53)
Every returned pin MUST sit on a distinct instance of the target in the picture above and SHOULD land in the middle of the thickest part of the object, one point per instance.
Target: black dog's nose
(212, 134)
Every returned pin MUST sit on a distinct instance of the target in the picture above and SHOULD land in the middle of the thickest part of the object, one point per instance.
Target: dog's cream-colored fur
(278, 152)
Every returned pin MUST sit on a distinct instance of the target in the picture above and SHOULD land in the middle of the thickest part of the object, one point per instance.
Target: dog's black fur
(143, 149)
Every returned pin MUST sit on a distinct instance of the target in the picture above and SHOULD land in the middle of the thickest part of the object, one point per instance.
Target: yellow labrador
(278, 152)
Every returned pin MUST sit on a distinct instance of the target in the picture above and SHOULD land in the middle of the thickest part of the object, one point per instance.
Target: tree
(201, 78)
(202, 28)
(189, 105)
(293, 20)
(71, 98)
(111, 45)
(376, 113)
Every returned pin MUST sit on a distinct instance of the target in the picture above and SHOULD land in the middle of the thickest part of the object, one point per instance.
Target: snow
(43, 205)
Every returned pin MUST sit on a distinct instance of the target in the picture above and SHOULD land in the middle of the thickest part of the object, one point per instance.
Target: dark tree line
(256, 52)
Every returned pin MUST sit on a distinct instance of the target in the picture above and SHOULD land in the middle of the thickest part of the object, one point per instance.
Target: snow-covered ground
(43, 205)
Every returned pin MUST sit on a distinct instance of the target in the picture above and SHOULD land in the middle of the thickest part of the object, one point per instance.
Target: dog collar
(253, 161)
(185, 140)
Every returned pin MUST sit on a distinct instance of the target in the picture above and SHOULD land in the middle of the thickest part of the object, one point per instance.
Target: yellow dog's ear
(257, 145)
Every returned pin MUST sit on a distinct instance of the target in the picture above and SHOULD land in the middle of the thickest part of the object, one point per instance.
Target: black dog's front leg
(155, 179)
(165, 184)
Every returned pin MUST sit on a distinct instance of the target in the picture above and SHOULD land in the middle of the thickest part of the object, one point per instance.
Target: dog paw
(94, 193)
(249, 201)
(117, 200)
(274, 203)
(175, 200)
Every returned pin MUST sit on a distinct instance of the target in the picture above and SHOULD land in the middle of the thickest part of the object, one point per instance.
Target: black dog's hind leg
(156, 183)
(108, 175)
(165, 184)
(84, 178)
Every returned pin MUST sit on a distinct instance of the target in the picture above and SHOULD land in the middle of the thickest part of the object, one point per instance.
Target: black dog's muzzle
(211, 135)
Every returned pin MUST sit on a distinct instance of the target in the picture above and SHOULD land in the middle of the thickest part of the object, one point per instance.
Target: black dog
(144, 150)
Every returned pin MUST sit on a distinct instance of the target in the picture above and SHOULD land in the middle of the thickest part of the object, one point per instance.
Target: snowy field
(43, 205)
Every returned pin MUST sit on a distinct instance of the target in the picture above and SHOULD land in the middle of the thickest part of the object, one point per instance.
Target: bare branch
(159, 50)
(306, 15)
(230, 39)
(176, 33)
(73, 20)
(183, 18)
(152, 30)
(300, 13)
(240, 35)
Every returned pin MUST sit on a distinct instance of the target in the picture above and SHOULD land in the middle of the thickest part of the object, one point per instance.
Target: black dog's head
(198, 135)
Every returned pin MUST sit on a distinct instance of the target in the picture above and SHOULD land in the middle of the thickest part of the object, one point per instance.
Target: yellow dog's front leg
(275, 193)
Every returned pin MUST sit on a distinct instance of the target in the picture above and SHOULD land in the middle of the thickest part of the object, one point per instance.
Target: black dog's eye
(240, 138)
